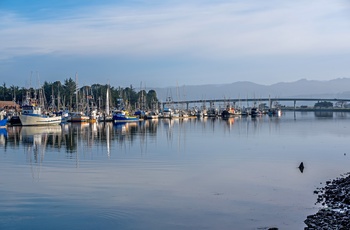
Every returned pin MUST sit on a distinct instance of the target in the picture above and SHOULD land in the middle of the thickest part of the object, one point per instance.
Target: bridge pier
(295, 102)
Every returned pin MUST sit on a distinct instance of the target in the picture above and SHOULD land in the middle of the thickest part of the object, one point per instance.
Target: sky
(158, 43)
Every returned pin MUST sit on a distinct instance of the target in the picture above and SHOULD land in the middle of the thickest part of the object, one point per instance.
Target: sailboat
(106, 115)
(78, 116)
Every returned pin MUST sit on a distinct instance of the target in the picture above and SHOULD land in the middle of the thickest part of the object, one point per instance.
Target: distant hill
(337, 88)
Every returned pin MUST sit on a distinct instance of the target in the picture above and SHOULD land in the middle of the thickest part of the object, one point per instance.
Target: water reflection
(35, 141)
(234, 169)
(86, 136)
(324, 114)
(3, 136)
(229, 122)
(108, 143)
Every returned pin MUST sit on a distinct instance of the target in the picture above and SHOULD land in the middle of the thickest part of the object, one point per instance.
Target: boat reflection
(86, 137)
(40, 135)
(3, 136)
(35, 141)
(229, 121)
(125, 127)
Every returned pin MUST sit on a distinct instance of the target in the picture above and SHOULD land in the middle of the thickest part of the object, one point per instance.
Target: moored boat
(3, 119)
(151, 115)
(228, 112)
(123, 116)
(31, 115)
(140, 114)
(275, 112)
(167, 113)
(254, 112)
(3, 123)
(78, 117)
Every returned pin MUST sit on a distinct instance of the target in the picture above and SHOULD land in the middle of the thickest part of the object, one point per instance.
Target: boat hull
(34, 119)
(122, 117)
(3, 123)
(125, 119)
(78, 118)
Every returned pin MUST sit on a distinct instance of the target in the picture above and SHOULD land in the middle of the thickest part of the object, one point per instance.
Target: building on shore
(9, 105)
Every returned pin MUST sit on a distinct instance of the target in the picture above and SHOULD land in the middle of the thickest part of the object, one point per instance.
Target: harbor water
(236, 173)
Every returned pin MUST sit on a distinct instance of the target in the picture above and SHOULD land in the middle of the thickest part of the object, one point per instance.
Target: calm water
(192, 174)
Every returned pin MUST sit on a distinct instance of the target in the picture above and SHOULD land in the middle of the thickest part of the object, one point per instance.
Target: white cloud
(224, 30)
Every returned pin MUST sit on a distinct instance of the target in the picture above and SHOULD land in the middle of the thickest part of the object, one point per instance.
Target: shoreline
(315, 109)
(335, 200)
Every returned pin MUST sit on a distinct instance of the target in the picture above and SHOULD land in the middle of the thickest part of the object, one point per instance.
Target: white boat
(65, 116)
(152, 115)
(167, 113)
(31, 115)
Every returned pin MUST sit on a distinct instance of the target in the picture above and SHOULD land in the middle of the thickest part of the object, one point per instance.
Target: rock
(335, 198)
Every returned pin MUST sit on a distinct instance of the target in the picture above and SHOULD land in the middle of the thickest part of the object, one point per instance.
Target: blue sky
(169, 43)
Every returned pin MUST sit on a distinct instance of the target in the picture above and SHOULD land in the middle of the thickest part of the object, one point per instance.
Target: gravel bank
(335, 201)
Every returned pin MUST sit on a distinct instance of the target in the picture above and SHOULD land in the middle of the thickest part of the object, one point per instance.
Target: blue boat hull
(3, 122)
(125, 119)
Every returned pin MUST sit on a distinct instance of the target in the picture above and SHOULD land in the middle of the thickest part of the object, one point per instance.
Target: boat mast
(76, 92)
(107, 101)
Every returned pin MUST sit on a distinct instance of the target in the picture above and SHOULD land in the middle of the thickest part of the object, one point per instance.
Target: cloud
(229, 29)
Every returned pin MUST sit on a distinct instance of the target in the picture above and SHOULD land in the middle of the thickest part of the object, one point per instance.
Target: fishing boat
(254, 112)
(213, 112)
(167, 113)
(275, 112)
(123, 116)
(152, 115)
(3, 119)
(228, 112)
(3, 123)
(32, 115)
(140, 114)
(78, 117)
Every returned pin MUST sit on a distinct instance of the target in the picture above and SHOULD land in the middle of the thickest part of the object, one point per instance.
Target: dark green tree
(69, 88)
(152, 100)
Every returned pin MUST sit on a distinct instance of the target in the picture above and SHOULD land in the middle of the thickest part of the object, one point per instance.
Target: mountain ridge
(335, 88)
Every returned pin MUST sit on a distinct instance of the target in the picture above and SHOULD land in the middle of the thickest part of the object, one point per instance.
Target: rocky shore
(335, 201)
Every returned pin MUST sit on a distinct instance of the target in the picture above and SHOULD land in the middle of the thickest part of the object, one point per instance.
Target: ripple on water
(115, 214)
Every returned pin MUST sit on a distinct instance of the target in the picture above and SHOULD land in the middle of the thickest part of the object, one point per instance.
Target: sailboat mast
(76, 92)
(107, 101)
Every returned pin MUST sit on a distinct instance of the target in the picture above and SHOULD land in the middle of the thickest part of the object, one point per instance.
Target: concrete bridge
(270, 101)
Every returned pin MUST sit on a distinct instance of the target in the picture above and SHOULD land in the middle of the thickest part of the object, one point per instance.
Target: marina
(191, 173)
(32, 113)
(175, 115)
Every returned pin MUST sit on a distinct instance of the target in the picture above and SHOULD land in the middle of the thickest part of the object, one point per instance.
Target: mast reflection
(35, 141)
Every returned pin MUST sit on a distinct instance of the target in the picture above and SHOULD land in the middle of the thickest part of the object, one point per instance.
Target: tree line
(68, 95)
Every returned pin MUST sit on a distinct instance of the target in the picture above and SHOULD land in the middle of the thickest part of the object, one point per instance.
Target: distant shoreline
(316, 109)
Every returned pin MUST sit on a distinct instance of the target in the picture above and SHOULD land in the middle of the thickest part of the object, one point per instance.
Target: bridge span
(260, 100)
